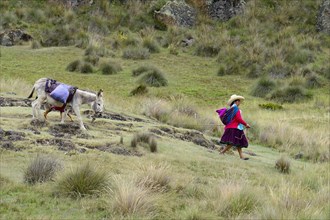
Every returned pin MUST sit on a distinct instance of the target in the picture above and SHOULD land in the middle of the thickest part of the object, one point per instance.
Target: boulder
(223, 10)
(12, 37)
(176, 13)
(323, 17)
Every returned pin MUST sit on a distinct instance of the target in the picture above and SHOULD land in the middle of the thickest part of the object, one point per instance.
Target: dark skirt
(234, 137)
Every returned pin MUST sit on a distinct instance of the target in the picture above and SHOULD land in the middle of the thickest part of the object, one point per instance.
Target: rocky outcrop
(323, 17)
(176, 13)
(12, 37)
(223, 10)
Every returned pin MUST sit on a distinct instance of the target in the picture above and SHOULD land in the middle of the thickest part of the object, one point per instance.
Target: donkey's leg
(36, 104)
(63, 116)
(77, 111)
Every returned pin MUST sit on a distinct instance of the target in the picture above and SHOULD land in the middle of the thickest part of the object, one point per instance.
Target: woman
(234, 134)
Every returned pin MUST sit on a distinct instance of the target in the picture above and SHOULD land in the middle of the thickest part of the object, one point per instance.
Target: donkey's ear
(100, 93)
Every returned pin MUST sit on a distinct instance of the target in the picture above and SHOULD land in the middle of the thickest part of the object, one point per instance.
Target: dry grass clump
(86, 68)
(41, 169)
(85, 180)
(263, 87)
(156, 108)
(155, 177)
(290, 94)
(110, 68)
(151, 45)
(93, 59)
(154, 78)
(283, 165)
(139, 90)
(136, 53)
(35, 44)
(144, 138)
(129, 199)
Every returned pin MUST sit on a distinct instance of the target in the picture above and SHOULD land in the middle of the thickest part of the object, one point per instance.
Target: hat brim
(241, 98)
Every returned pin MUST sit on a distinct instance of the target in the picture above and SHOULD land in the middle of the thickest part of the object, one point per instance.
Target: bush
(41, 169)
(146, 138)
(157, 109)
(93, 59)
(283, 165)
(263, 87)
(110, 68)
(278, 69)
(35, 44)
(140, 90)
(83, 181)
(313, 81)
(74, 66)
(86, 67)
(271, 106)
(207, 50)
(136, 53)
(290, 94)
(151, 45)
(173, 50)
(143, 69)
(153, 78)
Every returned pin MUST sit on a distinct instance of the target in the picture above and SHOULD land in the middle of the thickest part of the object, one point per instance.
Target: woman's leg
(225, 149)
(241, 154)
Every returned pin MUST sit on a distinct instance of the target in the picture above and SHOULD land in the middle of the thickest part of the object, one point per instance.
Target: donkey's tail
(31, 94)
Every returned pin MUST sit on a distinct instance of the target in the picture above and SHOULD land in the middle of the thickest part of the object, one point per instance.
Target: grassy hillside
(271, 54)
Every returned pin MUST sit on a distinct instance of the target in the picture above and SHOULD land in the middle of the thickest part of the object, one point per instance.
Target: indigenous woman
(234, 134)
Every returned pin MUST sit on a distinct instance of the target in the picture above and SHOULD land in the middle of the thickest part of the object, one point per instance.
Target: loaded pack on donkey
(58, 95)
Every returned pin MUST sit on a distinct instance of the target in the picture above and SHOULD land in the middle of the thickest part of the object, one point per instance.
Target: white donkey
(80, 97)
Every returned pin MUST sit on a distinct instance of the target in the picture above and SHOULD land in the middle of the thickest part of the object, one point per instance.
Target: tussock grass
(139, 90)
(154, 78)
(155, 177)
(283, 165)
(86, 68)
(35, 44)
(263, 87)
(16, 86)
(151, 45)
(144, 138)
(93, 59)
(74, 66)
(290, 94)
(43, 168)
(130, 200)
(136, 53)
(83, 181)
(110, 67)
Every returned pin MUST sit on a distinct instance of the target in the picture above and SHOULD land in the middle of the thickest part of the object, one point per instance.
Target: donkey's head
(97, 105)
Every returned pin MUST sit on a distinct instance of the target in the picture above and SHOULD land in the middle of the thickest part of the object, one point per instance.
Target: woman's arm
(239, 118)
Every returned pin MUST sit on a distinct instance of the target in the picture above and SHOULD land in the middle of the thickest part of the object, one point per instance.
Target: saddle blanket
(59, 91)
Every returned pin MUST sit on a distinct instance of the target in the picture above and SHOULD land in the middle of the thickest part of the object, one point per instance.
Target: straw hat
(235, 97)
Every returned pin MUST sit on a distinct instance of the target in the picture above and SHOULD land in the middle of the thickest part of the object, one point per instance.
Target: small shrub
(263, 87)
(221, 70)
(283, 165)
(290, 94)
(153, 145)
(41, 169)
(86, 67)
(154, 78)
(93, 59)
(74, 66)
(157, 109)
(207, 50)
(85, 180)
(110, 68)
(278, 69)
(173, 50)
(144, 69)
(146, 138)
(35, 44)
(155, 177)
(313, 81)
(136, 53)
(140, 90)
(151, 45)
(271, 106)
